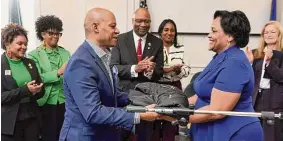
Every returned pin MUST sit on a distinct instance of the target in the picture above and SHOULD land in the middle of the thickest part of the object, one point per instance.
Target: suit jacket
(11, 94)
(43, 64)
(274, 72)
(124, 56)
(91, 105)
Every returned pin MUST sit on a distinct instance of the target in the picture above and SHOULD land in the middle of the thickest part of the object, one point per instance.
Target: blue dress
(228, 71)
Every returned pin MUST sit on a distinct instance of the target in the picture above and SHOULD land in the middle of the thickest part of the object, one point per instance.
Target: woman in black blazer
(21, 86)
(268, 68)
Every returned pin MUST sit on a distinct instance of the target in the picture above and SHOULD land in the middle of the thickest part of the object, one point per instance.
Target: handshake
(145, 65)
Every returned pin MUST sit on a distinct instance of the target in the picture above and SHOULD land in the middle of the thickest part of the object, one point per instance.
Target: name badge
(7, 72)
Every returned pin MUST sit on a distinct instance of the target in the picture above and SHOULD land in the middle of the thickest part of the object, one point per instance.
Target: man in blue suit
(92, 99)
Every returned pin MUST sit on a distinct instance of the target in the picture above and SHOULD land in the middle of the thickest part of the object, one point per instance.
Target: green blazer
(47, 75)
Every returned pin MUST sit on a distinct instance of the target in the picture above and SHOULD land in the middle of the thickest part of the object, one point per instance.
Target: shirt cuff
(133, 72)
(148, 74)
(137, 118)
(267, 64)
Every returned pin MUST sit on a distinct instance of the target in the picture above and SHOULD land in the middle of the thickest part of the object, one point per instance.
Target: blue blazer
(91, 105)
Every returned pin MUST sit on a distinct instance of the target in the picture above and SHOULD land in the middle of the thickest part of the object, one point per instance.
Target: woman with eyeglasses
(51, 60)
(21, 86)
(267, 63)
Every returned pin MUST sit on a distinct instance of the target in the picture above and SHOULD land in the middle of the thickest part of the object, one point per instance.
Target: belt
(261, 90)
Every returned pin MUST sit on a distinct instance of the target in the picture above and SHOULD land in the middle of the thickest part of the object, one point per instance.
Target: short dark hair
(161, 27)
(10, 32)
(47, 22)
(236, 24)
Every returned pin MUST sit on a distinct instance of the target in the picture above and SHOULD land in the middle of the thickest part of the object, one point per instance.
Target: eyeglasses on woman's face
(52, 33)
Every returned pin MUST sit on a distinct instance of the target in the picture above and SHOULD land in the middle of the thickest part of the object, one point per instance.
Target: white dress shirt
(264, 82)
(136, 40)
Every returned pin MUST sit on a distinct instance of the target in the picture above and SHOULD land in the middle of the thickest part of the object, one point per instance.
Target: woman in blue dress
(226, 84)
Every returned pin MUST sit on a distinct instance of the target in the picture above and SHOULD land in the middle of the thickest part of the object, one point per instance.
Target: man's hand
(145, 65)
(167, 118)
(149, 116)
(33, 87)
(61, 69)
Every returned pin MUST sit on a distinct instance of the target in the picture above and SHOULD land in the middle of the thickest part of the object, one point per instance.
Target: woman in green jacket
(51, 60)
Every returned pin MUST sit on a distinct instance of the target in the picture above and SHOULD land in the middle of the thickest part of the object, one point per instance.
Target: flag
(15, 12)
(273, 10)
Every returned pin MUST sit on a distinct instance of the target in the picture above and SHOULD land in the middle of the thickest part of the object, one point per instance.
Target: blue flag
(273, 10)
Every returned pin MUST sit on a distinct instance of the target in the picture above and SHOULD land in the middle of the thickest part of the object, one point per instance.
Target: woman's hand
(193, 99)
(268, 53)
(33, 87)
(177, 68)
(249, 54)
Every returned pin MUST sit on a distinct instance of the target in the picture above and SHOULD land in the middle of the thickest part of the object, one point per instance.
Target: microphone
(141, 109)
(138, 109)
(160, 110)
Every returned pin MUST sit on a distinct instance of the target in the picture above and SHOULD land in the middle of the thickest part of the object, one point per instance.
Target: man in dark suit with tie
(138, 54)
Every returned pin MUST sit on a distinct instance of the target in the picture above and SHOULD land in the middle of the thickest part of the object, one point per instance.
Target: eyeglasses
(139, 21)
(270, 32)
(51, 33)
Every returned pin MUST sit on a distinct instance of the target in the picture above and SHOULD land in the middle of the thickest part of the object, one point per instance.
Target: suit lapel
(114, 71)
(147, 47)
(31, 68)
(98, 61)
(130, 44)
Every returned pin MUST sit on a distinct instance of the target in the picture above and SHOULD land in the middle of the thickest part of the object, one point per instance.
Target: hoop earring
(9, 54)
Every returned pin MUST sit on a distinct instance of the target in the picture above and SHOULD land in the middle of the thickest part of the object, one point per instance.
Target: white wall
(72, 13)
(195, 15)
(197, 54)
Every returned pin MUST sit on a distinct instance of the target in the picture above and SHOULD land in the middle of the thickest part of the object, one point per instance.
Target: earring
(9, 54)
(228, 44)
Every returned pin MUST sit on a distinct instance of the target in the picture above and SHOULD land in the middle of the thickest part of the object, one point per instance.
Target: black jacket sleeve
(124, 71)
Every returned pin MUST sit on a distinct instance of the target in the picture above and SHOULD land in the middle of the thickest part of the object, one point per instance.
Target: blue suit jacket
(91, 105)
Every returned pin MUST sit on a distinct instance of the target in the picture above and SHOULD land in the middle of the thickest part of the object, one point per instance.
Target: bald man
(92, 98)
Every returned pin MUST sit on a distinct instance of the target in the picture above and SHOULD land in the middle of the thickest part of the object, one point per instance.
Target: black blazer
(124, 56)
(11, 94)
(274, 72)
